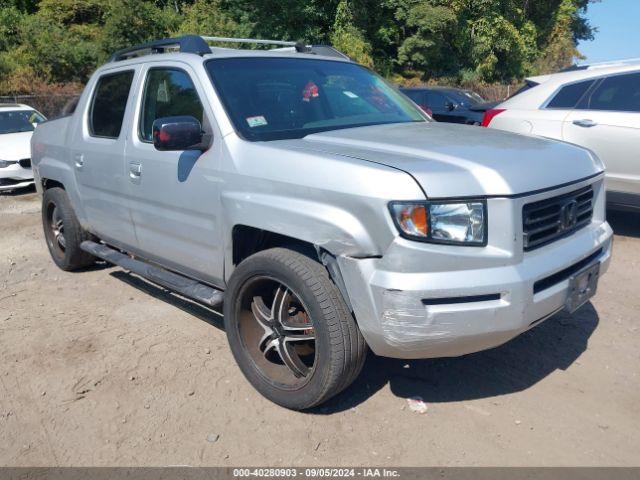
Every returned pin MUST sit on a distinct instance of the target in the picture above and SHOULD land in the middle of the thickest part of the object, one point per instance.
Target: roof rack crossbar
(186, 44)
(299, 46)
(282, 43)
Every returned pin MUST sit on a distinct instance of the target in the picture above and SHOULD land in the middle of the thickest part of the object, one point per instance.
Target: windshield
(15, 121)
(281, 98)
(471, 98)
(468, 98)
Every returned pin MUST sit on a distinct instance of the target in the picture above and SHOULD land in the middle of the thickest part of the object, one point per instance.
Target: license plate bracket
(582, 286)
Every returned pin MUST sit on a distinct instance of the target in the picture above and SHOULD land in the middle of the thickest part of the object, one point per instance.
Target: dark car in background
(449, 104)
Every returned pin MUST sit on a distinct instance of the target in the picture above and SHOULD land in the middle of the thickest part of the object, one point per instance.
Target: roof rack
(186, 44)
(200, 46)
(324, 50)
(259, 41)
(610, 63)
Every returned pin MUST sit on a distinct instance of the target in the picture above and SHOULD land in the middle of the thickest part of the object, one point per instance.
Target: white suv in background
(17, 123)
(597, 107)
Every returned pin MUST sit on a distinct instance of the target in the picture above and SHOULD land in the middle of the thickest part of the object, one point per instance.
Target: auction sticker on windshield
(258, 121)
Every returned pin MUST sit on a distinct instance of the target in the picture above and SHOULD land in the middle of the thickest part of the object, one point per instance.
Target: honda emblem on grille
(568, 214)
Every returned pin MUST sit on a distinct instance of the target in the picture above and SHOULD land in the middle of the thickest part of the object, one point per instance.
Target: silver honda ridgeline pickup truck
(326, 210)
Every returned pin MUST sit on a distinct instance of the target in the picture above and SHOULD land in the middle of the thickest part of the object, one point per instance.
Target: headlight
(455, 222)
(6, 163)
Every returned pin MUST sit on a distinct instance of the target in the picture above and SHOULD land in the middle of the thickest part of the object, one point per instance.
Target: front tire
(289, 329)
(63, 232)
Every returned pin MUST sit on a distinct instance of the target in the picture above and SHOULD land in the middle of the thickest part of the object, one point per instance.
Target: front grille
(25, 163)
(548, 220)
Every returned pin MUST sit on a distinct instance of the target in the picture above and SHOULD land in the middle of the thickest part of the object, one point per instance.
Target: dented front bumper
(423, 301)
(15, 176)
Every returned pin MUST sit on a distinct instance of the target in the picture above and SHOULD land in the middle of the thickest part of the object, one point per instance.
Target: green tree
(495, 40)
(567, 28)
(346, 37)
(311, 20)
(460, 40)
(24, 6)
(209, 17)
(425, 36)
(130, 22)
(53, 45)
(10, 19)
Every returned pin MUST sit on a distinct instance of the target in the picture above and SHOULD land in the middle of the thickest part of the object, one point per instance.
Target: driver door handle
(585, 122)
(78, 160)
(135, 171)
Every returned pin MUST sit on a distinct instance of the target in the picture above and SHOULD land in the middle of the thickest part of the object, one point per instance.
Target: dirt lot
(101, 368)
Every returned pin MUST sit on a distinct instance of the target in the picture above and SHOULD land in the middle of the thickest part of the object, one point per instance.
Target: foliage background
(56, 44)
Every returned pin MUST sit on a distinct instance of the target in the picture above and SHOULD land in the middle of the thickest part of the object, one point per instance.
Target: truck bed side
(52, 159)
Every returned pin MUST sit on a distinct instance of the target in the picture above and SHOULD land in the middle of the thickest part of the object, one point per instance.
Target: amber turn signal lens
(419, 219)
(411, 218)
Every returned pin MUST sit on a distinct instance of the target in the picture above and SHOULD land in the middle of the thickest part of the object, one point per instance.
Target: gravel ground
(101, 368)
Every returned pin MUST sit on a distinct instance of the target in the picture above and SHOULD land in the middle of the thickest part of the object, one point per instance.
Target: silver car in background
(326, 210)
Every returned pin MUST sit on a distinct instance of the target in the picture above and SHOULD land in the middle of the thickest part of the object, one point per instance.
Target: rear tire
(303, 349)
(63, 232)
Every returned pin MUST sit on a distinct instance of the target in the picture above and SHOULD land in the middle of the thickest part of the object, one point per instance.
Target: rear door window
(570, 95)
(168, 92)
(109, 104)
(619, 93)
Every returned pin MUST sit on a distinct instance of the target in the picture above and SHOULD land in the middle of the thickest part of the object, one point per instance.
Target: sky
(618, 35)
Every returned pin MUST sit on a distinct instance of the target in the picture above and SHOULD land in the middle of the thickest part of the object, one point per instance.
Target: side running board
(177, 283)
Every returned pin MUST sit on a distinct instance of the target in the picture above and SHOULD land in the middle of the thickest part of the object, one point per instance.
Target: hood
(451, 160)
(15, 146)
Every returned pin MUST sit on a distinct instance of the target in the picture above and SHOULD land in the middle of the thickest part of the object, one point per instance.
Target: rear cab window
(109, 104)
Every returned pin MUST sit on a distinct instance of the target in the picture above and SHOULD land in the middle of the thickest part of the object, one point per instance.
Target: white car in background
(595, 106)
(17, 123)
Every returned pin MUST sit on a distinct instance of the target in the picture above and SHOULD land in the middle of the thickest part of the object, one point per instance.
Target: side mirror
(451, 106)
(179, 133)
